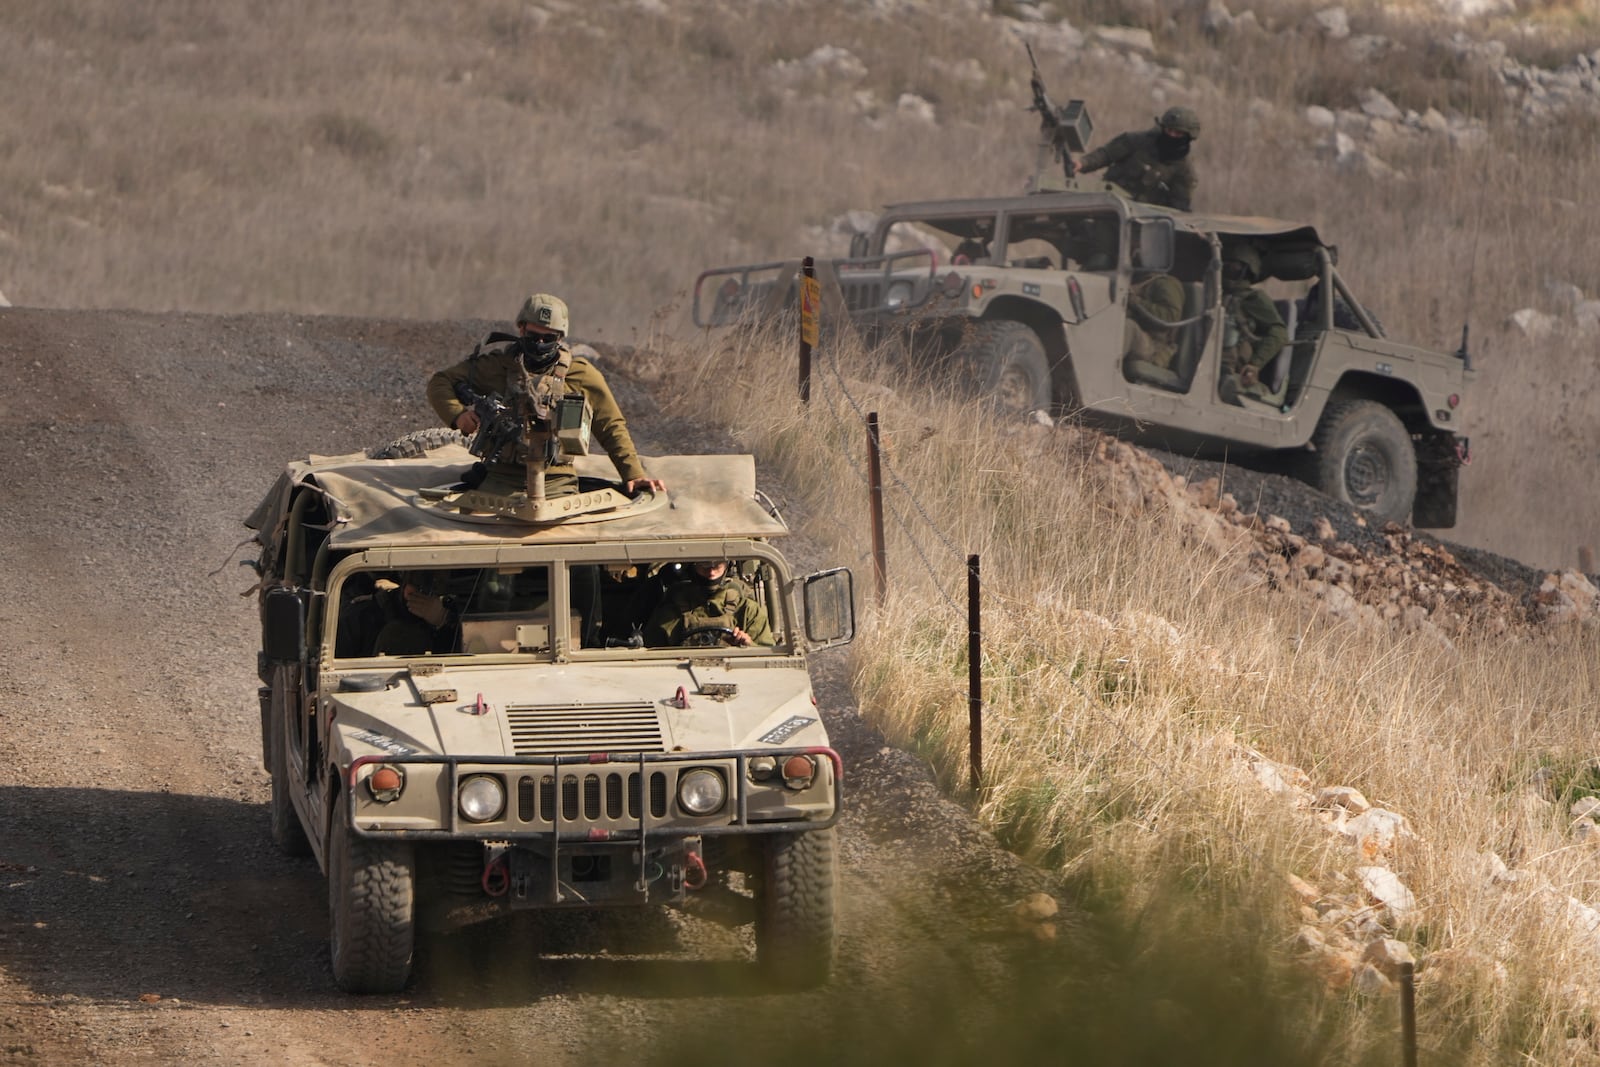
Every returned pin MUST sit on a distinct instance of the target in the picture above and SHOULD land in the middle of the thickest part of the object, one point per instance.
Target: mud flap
(1438, 483)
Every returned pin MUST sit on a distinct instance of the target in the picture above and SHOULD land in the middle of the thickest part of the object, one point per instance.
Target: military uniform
(1253, 334)
(1158, 298)
(498, 371)
(727, 601)
(1133, 161)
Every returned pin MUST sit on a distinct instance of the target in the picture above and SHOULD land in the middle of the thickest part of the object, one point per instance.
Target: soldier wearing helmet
(1152, 165)
(1253, 333)
(712, 599)
(538, 357)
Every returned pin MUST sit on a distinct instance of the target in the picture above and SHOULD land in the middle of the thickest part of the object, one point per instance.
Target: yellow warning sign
(810, 308)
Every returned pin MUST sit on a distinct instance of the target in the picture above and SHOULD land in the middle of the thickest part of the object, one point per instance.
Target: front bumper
(597, 798)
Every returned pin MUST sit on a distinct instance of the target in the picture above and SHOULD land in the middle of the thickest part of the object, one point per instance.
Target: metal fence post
(974, 672)
(1408, 1013)
(875, 488)
(810, 310)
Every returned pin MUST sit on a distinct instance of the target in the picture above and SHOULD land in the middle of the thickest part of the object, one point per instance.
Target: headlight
(899, 294)
(482, 797)
(763, 767)
(702, 791)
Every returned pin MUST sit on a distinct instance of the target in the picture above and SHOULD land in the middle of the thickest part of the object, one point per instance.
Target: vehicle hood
(566, 709)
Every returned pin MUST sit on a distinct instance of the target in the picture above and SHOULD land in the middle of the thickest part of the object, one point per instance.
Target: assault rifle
(498, 425)
(1062, 130)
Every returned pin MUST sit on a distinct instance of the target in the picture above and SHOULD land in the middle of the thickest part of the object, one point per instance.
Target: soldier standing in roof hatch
(1152, 165)
(539, 354)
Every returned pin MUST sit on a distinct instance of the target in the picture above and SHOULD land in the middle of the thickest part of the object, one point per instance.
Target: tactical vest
(535, 393)
(1238, 335)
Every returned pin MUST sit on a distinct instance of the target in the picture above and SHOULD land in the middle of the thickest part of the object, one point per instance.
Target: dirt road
(144, 914)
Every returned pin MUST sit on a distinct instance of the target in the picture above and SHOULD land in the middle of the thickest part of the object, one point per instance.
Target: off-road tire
(417, 443)
(1009, 366)
(795, 904)
(287, 832)
(371, 908)
(1364, 456)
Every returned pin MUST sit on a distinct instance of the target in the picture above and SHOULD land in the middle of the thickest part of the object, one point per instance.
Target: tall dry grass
(432, 161)
(1127, 668)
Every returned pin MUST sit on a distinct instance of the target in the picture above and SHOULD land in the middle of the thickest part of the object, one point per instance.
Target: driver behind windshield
(711, 606)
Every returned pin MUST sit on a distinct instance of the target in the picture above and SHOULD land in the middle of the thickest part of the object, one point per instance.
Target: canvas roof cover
(375, 502)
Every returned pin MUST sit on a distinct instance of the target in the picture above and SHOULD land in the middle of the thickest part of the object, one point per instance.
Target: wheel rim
(1013, 393)
(1367, 475)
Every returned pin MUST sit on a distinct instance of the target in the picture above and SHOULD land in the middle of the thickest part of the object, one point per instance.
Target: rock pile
(1392, 578)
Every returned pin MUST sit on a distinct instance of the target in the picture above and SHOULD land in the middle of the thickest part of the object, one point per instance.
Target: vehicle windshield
(728, 605)
(952, 239)
(1071, 240)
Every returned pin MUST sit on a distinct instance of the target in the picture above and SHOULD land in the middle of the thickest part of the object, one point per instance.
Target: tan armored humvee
(1029, 294)
(521, 746)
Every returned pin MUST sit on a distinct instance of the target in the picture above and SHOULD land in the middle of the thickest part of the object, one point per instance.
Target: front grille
(579, 729)
(590, 796)
(862, 296)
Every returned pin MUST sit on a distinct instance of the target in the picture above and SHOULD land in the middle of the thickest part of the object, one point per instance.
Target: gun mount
(1062, 131)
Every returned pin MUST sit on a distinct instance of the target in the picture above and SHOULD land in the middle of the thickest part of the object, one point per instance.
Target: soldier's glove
(1248, 376)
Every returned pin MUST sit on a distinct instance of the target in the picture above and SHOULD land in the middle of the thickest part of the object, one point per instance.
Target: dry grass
(1125, 668)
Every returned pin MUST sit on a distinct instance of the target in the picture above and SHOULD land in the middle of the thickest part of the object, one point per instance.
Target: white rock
(968, 71)
(1332, 23)
(913, 107)
(1433, 121)
(1217, 19)
(4, 303)
(829, 61)
(1368, 981)
(1376, 105)
(1384, 886)
(1279, 779)
(1377, 831)
(1125, 37)
(1320, 117)
(1388, 955)
(1534, 324)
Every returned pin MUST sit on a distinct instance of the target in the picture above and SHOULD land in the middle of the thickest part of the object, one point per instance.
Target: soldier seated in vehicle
(1149, 347)
(422, 618)
(713, 603)
(1253, 330)
(970, 251)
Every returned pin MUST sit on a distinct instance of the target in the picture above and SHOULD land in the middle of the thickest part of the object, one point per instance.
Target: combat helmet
(1182, 119)
(1246, 255)
(542, 309)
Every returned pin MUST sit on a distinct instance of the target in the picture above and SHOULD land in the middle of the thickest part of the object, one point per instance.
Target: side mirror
(858, 245)
(283, 626)
(829, 601)
(1152, 245)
